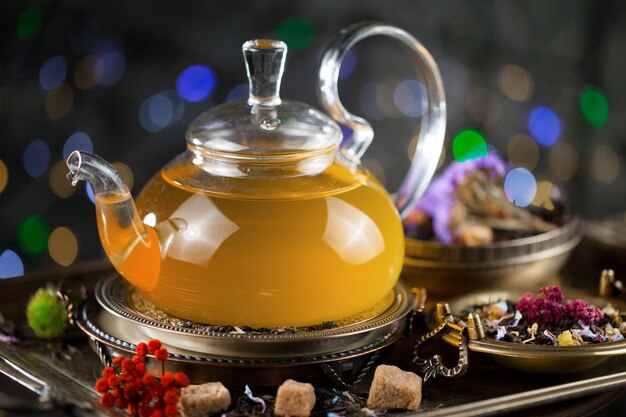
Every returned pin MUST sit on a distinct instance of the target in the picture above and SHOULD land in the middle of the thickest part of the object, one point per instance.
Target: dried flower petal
(257, 400)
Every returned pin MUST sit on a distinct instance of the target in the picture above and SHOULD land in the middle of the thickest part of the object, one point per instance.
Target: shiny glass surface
(290, 260)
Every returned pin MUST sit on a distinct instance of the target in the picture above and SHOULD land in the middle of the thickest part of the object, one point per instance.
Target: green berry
(46, 314)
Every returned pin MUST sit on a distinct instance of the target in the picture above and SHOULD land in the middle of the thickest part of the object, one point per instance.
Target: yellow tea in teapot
(260, 259)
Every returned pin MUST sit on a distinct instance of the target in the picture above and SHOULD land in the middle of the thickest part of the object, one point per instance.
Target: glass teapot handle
(433, 123)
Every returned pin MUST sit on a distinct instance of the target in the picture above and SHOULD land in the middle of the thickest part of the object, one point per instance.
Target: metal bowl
(448, 270)
(533, 358)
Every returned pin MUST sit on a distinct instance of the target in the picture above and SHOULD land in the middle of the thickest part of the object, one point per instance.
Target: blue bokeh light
(160, 110)
(53, 72)
(240, 92)
(11, 265)
(196, 83)
(348, 65)
(36, 158)
(410, 98)
(78, 141)
(520, 186)
(544, 125)
(110, 68)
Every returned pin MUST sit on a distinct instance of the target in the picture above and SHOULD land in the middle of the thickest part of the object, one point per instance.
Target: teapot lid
(265, 127)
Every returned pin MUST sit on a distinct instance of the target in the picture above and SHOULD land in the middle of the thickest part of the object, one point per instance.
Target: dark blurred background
(542, 82)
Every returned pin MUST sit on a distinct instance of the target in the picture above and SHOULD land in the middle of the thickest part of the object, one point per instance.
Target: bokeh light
(126, 173)
(53, 72)
(563, 160)
(86, 73)
(196, 83)
(348, 65)
(595, 106)
(523, 151)
(32, 234)
(376, 169)
(544, 125)
(240, 92)
(110, 68)
(483, 106)
(63, 246)
(36, 158)
(296, 32)
(515, 82)
(520, 187)
(29, 23)
(4, 175)
(10, 265)
(160, 110)
(77, 141)
(410, 98)
(367, 102)
(59, 102)
(605, 164)
(468, 144)
(543, 197)
(385, 98)
(57, 179)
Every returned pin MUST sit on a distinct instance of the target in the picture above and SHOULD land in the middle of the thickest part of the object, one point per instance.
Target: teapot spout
(132, 247)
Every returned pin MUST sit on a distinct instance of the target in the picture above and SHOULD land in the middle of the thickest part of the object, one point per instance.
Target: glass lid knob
(265, 61)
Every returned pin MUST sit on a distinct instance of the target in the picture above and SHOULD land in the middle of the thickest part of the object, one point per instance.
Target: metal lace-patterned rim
(87, 325)
(111, 293)
(560, 238)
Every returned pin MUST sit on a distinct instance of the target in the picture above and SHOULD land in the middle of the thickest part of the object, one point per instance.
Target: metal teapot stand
(341, 355)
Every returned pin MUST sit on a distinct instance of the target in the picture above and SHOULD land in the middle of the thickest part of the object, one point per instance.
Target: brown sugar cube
(294, 399)
(204, 399)
(394, 388)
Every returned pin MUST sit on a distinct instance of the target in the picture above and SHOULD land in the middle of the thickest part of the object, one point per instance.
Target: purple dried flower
(440, 196)
(580, 310)
(552, 293)
(542, 308)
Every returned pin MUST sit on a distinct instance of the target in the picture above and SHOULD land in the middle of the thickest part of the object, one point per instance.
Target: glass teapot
(267, 219)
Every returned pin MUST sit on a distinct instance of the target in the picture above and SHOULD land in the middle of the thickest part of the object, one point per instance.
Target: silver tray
(122, 320)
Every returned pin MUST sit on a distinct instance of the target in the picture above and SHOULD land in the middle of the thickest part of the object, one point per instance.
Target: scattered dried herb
(546, 318)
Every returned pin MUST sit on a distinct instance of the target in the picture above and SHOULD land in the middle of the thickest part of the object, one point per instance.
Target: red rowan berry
(145, 411)
(128, 365)
(131, 389)
(141, 349)
(121, 403)
(171, 396)
(148, 379)
(107, 400)
(181, 379)
(161, 354)
(167, 380)
(171, 410)
(102, 385)
(154, 345)
(108, 371)
(114, 381)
